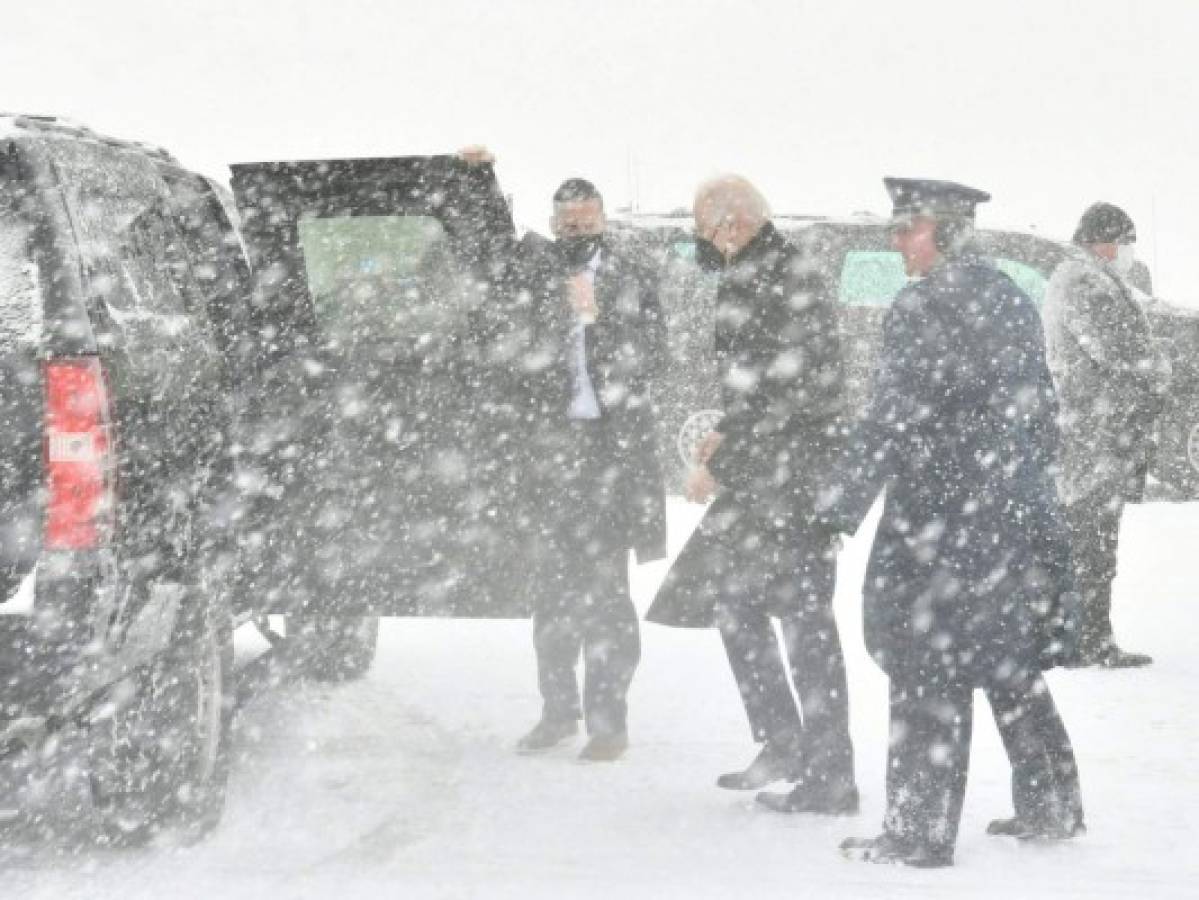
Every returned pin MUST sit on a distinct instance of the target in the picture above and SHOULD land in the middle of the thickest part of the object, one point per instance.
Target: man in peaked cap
(1111, 382)
(969, 572)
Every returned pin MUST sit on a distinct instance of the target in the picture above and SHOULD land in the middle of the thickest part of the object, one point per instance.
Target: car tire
(164, 759)
(333, 648)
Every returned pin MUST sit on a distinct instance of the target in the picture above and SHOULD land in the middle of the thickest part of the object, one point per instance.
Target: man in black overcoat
(759, 555)
(588, 339)
(969, 576)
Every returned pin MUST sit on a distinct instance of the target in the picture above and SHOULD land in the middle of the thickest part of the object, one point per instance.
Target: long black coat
(625, 348)
(970, 565)
(778, 343)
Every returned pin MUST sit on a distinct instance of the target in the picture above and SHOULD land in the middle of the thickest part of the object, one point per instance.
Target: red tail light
(79, 459)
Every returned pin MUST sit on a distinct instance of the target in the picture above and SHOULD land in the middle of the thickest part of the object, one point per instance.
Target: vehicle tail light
(80, 474)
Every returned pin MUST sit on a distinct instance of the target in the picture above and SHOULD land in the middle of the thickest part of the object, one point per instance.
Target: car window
(383, 277)
(874, 277)
(153, 263)
(130, 246)
(218, 266)
(1026, 277)
(871, 278)
(683, 248)
(20, 299)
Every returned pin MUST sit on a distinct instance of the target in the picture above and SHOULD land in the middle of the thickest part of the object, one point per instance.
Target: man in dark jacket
(593, 339)
(758, 553)
(1110, 382)
(969, 573)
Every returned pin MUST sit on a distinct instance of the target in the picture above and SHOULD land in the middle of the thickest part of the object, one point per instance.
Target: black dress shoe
(774, 763)
(1108, 656)
(838, 799)
(605, 747)
(546, 734)
(887, 848)
(1028, 831)
(1113, 657)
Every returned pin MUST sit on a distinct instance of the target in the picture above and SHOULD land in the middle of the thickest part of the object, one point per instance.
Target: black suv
(119, 273)
(194, 442)
(867, 273)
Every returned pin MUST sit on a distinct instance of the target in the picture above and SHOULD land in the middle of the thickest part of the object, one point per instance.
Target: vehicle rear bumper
(79, 636)
(48, 643)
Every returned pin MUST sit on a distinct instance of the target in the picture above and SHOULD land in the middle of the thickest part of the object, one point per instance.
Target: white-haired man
(759, 553)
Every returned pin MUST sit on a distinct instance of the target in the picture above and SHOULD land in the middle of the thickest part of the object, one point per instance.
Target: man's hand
(707, 446)
(700, 485)
(476, 155)
(581, 294)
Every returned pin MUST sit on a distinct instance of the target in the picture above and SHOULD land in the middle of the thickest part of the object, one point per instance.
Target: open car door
(377, 463)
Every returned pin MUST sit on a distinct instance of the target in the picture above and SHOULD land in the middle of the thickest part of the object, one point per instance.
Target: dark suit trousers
(929, 756)
(797, 588)
(582, 600)
(1094, 524)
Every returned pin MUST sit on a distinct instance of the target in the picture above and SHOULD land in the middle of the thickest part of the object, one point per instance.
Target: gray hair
(733, 196)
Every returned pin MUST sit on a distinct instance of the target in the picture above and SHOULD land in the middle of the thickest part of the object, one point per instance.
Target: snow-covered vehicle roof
(14, 125)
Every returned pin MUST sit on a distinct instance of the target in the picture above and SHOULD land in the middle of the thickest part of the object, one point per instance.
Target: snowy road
(406, 785)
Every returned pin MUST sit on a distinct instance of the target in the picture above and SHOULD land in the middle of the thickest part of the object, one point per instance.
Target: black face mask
(707, 257)
(575, 252)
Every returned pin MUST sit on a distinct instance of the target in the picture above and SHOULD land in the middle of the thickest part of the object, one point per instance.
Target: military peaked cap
(926, 197)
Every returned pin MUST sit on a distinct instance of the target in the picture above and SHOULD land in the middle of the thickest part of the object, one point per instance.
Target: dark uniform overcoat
(969, 572)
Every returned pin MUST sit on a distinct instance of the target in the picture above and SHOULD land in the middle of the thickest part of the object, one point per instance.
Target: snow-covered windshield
(20, 299)
(128, 240)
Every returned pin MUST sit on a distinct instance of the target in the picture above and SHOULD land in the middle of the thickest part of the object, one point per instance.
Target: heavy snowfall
(219, 428)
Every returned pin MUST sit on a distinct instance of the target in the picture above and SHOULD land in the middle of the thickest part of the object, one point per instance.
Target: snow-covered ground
(405, 784)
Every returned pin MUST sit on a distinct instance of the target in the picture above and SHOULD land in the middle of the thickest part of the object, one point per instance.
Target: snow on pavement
(405, 784)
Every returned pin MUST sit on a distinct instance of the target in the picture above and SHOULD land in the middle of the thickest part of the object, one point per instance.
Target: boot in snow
(829, 799)
(605, 747)
(776, 762)
(1029, 831)
(887, 848)
(546, 734)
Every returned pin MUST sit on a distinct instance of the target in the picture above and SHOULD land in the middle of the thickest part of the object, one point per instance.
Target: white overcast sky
(1049, 105)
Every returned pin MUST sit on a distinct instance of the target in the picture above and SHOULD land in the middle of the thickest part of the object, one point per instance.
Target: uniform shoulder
(981, 275)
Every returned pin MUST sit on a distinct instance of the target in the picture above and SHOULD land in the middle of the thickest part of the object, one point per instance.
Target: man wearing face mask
(758, 554)
(595, 340)
(1111, 382)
